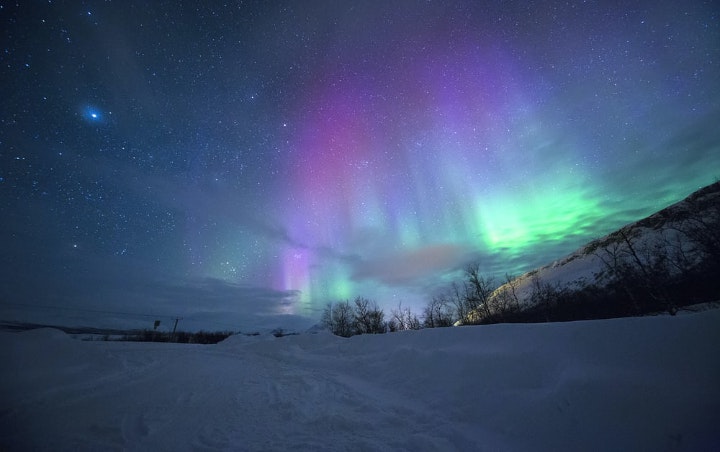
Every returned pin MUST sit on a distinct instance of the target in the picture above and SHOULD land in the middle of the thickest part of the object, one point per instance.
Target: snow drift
(625, 384)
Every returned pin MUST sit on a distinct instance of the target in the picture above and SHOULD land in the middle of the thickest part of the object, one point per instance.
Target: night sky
(233, 162)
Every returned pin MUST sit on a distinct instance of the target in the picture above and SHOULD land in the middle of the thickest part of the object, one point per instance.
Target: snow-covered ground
(649, 383)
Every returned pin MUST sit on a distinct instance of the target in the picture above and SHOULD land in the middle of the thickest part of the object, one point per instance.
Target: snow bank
(623, 384)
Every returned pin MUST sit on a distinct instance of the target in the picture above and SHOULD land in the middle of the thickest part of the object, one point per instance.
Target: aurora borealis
(233, 162)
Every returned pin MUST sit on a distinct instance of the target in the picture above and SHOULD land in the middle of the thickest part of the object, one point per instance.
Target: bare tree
(700, 223)
(511, 285)
(377, 321)
(369, 318)
(437, 313)
(545, 296)
(457, 299)
(404, 319)
(478, 291)
(642, 271)
(682, 253)
(617, 270)
(339, 319)
(362, 316)
(504, 301)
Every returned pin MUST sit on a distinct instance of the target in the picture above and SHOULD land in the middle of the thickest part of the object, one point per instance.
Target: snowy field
(649, 384)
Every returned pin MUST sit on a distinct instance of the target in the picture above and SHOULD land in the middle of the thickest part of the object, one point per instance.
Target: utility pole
(172, 336)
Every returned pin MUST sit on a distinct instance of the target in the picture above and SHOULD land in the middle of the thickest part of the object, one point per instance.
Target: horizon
(246, 165)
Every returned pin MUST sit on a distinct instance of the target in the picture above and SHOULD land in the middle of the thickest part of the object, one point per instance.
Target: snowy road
(630, 384)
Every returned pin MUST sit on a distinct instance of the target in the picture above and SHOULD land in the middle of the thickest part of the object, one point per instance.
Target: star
(92, 114)
(304, 157)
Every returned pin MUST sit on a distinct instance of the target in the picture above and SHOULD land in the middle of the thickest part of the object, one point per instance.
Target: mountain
(662, 262)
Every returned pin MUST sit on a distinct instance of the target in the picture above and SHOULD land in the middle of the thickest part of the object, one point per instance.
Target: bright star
(92, 114)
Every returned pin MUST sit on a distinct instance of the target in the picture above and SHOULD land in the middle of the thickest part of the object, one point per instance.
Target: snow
(648, 383)
(661, 229)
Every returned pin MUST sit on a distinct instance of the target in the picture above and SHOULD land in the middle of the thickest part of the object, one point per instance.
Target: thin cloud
(406, 267)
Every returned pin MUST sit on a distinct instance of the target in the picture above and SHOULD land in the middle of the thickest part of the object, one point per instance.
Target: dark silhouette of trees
(438, 313)
(369, 318)
(641, 271)
(699, 222)
(470, 298)
(402, 319)
(477, 294)
(339, 319)
(181, 337)
(504, 303)
(360, 317)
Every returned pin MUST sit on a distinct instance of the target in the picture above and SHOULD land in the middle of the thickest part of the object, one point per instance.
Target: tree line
(179, 337)
(675, 263)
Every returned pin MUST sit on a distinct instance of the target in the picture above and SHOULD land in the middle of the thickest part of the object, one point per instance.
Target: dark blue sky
(241, 164)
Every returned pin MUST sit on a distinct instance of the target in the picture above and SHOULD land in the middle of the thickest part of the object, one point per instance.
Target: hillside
(646, 383)
(669, 257)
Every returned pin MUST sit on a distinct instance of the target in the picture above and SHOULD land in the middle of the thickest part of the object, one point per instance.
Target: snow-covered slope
(659, 229)
(626, 384)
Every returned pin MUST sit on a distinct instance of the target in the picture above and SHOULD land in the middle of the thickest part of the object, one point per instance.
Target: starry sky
(241, 164)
